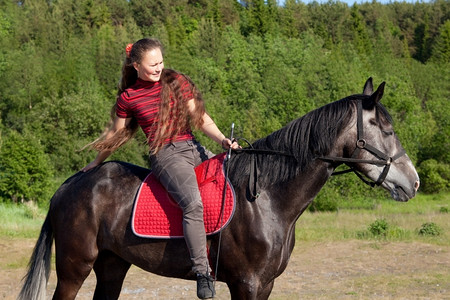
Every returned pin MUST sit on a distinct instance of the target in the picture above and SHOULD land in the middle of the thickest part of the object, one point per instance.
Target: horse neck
(292, 181)
(297, 194)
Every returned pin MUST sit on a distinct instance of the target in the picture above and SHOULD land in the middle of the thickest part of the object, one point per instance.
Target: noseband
(361, 144)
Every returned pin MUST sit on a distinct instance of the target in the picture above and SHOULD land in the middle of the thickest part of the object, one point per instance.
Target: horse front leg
(250, 288)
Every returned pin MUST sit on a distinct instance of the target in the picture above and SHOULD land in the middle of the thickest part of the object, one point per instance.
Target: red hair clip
(128, 49)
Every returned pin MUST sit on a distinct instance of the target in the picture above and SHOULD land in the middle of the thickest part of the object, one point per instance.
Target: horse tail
(34, 287)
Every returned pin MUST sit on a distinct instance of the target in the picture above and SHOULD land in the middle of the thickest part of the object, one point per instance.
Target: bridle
(361, 144)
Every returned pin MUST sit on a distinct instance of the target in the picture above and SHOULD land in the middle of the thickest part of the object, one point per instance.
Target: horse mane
(303, 140)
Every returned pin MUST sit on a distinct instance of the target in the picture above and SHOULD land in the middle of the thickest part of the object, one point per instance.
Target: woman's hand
(227, 144)
(91, 165)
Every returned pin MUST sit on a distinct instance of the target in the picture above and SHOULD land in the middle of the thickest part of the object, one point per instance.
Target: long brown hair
(172, 119)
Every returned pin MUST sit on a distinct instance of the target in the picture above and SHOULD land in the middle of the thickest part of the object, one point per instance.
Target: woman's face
(151, 65)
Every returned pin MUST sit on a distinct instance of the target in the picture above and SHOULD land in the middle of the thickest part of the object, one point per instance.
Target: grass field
(403, 221)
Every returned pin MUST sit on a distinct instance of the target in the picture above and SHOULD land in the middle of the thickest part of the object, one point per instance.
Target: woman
(165, 103)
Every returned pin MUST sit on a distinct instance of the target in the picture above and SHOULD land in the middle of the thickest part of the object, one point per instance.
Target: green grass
(21, 221)
(404, 221)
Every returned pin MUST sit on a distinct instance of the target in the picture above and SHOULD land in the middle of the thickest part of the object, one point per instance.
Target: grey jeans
(174, 167)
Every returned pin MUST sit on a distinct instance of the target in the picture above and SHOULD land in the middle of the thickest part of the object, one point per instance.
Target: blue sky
(351, 2)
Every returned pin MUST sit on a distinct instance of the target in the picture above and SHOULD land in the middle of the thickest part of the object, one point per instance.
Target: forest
(258, 64)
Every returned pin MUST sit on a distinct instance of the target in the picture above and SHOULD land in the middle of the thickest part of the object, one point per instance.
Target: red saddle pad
(157, 215)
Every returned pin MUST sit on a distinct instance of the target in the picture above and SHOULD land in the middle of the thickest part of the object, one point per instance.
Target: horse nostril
(416, 185)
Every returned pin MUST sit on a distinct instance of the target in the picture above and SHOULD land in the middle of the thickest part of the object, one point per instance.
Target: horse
(275, 179)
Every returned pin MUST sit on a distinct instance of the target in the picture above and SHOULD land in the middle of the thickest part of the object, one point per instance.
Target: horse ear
(376, 97)
(368, 87)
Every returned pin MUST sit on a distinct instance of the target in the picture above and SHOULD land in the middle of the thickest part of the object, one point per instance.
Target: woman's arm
(210, 128)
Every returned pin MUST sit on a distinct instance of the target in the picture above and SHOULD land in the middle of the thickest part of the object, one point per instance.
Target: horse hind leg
(75, 257)
(110, 270)
(71, 275)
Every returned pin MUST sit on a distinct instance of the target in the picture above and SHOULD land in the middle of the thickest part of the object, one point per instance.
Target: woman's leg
(174, 167)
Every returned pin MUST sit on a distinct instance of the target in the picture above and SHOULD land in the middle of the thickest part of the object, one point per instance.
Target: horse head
(378, 153)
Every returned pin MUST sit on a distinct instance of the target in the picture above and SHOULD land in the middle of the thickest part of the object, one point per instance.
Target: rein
(224, 192)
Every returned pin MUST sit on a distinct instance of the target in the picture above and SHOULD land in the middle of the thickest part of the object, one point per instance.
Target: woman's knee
(194, 210)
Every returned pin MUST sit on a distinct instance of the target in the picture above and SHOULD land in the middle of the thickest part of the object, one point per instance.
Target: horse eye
(388, 132)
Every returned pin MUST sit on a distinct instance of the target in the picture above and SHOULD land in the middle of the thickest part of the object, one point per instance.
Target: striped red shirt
(142, 101)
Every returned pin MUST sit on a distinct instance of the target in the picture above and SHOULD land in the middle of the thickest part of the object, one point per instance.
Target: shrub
(25, 172)
(324, 203)
(434, 176)
(430, 229)
(379, 227)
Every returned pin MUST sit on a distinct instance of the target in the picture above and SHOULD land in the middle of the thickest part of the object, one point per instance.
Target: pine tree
(441, 49)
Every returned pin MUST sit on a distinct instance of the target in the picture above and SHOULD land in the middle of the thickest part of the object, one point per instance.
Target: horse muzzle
(403, 192)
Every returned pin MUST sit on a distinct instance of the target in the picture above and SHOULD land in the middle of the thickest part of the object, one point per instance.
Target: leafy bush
(379, 227)
(324, 204)
(434, 176)
(25, 171)
(325, 201)
(430, 229)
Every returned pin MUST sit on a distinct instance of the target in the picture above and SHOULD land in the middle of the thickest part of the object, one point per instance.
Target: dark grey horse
(89, 216)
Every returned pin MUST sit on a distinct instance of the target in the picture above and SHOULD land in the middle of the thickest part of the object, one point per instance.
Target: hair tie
(128, 49)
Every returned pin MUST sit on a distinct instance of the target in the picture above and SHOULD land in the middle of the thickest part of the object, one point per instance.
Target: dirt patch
(334, 270)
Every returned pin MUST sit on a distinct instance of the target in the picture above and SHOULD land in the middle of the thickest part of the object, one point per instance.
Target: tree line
(258, 64)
